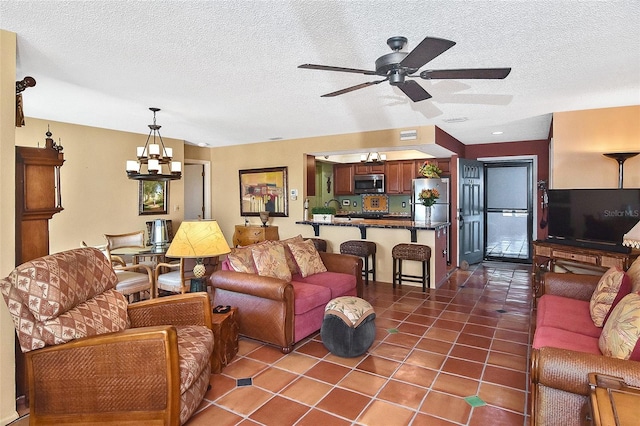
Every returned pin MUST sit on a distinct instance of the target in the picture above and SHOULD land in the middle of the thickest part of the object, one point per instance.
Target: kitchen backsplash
(396, 204)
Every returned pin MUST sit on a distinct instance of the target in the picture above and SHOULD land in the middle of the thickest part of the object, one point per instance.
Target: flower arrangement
(428, 197)
(429, 170)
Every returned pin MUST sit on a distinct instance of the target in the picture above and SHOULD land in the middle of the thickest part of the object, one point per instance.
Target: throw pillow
(614, 284)
(270, 261)
(634, 274)
(621, 333)
(307, 258)
(241, 260)
(291, 262)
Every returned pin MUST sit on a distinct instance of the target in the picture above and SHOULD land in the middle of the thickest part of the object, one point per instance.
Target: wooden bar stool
(417, 252)
(363, 249)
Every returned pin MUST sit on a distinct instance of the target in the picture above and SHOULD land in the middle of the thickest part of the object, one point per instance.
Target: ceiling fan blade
(427, 50)
(352, 88)
(463, 74)
(414, 91)
(328, 68)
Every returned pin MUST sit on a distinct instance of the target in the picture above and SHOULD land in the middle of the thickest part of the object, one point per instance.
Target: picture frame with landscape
(153, 197)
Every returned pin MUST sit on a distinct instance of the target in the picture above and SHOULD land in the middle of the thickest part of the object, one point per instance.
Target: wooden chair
(178, 279)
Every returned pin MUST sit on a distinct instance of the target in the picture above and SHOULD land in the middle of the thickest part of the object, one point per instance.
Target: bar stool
(416, 252)
(319, 243)
(362, 249)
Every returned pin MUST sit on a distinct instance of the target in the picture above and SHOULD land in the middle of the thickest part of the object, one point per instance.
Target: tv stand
(550, 256)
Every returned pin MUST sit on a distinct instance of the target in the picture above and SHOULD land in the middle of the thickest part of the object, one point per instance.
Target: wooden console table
(552, 256)
(246, 235)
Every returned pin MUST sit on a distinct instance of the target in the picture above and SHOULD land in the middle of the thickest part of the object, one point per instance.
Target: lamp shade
(198, 239)
(632, 238)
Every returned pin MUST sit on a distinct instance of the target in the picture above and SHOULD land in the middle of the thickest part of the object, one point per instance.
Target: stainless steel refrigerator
(440, 210)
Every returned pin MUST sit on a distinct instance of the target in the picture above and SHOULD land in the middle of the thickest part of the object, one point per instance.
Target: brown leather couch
(267, 306)
(559, 377)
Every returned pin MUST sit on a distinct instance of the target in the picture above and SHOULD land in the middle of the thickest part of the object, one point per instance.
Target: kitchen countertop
(363, 224)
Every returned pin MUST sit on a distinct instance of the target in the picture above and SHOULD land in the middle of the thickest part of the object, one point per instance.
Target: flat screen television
(593, 218)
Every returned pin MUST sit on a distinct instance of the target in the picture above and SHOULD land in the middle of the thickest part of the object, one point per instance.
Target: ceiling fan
(397, 66)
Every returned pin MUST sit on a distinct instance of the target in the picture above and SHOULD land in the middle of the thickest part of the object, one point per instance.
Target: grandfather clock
(37, 197)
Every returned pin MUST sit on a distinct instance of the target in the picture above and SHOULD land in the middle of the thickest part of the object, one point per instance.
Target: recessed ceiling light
(497, 133)
(202, 144)
(276, 138)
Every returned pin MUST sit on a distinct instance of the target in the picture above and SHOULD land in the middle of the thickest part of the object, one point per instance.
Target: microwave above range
(369, 184)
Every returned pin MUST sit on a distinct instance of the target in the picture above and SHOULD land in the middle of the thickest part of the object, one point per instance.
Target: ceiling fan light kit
(397, 66)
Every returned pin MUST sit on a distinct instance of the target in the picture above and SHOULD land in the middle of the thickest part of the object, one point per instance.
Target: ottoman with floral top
(348, 328)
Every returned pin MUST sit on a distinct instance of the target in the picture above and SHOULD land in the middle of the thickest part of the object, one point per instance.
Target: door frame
(531, 187)
(207, 184)
(534, 174)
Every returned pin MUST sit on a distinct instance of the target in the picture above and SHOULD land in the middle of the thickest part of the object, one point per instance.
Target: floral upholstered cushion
(307, 258)
(241, 260)
(270, 261)
(352, 310)
(612, 287)
(634, 275)
(291, 261)
(621, 333)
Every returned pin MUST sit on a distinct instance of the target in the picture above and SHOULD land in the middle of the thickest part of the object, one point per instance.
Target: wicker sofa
(92, 358)
(566, 349)
(284, 311)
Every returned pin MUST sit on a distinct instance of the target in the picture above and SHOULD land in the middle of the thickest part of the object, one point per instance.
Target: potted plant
(429, 170)
(428, 198)
(323, 214)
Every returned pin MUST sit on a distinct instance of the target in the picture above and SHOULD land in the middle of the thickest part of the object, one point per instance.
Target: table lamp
(196, 240)
(632, 238)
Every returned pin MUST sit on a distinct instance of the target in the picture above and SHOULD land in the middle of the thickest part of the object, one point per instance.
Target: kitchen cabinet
(343, 179)
(368, 169)
(399, 176)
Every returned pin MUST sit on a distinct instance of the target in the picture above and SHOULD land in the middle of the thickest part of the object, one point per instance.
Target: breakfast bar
(386, 233)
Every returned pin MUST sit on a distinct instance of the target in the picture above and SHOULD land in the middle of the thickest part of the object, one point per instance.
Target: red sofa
(283, 312)
(565, 350)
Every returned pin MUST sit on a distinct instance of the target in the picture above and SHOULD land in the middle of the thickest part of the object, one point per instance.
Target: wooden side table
(225, 339)
(611, 402)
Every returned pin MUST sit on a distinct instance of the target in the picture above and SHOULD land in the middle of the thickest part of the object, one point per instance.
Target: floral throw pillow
(307, 258)
(612, 287)
(621, 333)
(291, 262)
(634, 274)
(270, 261)
(241, 260)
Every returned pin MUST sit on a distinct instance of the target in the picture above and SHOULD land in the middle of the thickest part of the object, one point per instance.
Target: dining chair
(177, 280)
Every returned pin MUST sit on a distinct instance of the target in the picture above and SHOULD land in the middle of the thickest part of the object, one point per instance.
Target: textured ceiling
(225, 72)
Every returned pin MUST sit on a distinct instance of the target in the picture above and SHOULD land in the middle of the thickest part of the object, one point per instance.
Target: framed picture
(264, 190)
(153, 197)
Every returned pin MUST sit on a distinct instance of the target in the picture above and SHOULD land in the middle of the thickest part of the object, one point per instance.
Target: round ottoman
(348, 328)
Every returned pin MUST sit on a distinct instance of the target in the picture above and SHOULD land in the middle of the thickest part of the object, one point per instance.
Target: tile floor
(453, 356)
(457, 355)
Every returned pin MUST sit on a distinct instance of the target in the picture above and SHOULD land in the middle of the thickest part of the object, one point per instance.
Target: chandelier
(153, 156)
(373, 157)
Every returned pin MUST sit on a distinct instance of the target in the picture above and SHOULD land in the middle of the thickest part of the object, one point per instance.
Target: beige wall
(7, 215)
(226, 161)
(581, 137)
(97, 196)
